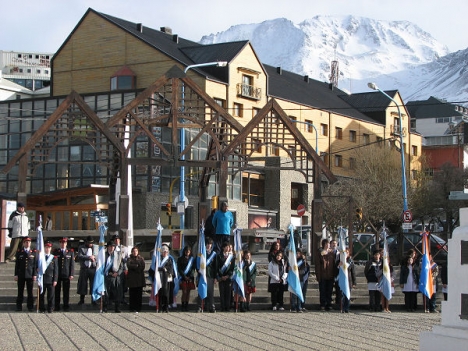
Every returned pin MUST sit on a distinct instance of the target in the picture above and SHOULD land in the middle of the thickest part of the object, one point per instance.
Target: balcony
(249, 91)
(395, 130)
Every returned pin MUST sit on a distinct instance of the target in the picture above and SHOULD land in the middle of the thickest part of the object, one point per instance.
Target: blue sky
(42, 26)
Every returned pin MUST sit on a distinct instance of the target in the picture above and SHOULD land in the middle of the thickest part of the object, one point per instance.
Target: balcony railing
(249, 91)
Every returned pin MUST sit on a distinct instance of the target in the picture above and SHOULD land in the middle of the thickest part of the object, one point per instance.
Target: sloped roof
(431, 108)
(296, 88)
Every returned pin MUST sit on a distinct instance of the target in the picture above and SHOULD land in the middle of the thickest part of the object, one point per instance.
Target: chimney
(175, 38)
(279, 70)
(331, 86)
(306, 78)
(139, 27)
(167, 30)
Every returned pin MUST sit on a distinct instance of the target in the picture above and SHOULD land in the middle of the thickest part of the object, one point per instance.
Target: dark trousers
(430, 304)
(277, 295)
(410, 300)
(29, 287)
(65, 283)
(135, 298)
(374, 300)
(225, 288)
(220, 239)
(326, 291)
(50, 290)
(337, 293)
(209, 301)
(345, 302)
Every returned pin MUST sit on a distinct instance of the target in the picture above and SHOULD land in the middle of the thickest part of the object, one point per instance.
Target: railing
(249, 91)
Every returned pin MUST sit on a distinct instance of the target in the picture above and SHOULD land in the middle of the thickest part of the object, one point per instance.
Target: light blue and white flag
(99, 286)
(343, 280)
(294, 284)
(156, 259)
(238, 276)
(385, 284)
(425, 277)
(41, 263)
(201, 265)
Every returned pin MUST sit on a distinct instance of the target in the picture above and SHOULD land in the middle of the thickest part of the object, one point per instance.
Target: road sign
(407, 226)
(407, 216)
(97, 213)
(300, 210)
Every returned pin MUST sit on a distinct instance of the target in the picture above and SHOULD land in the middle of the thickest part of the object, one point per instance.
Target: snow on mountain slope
(394, 54)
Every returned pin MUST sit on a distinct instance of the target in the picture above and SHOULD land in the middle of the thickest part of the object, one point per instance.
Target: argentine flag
(41, 264)
(238, 277)
(385, 284)
(425, 280)
(294, 284)
(157, 259)
(201, 265)
(343, 280)
(99, 286)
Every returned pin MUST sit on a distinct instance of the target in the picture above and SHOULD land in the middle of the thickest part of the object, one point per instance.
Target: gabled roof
(303, 90)
(431, 108)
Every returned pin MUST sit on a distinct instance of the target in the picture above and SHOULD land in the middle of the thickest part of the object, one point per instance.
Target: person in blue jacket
(223, 221)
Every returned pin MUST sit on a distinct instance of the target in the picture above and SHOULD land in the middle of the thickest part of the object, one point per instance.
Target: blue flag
(343, 280)
(426, 285)
(156, 259)
(99, 286)
(201, 265)
(385, 284)
(238, 277)
(294, 284)
(41, 264)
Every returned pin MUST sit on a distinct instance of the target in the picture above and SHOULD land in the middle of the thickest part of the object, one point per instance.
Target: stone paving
(262, 330)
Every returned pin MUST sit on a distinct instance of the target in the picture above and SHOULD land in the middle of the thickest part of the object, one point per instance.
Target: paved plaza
(263, 330)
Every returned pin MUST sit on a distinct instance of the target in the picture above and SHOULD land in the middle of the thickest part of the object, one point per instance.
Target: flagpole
(38, 288)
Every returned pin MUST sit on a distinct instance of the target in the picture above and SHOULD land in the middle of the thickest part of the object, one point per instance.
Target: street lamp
(373, 86)
(182, 139)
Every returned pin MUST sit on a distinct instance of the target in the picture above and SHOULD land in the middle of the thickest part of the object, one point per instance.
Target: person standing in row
(250, 276)
(223, 221)
(325, 272)
(66, 272)
(409, 283)
(211, 272)
(113, 269)
(87, 258)
(224, 276)
(123, 251)
(25, 273)
(277, 271)
(166, 273)
(186, 267)
(135, 280)
(373, 272)
(18, 229)
(49, 279)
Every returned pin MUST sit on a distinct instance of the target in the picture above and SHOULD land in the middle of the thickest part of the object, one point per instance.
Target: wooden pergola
(174, 101)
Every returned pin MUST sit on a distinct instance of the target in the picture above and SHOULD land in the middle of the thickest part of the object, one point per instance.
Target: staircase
(260, 300)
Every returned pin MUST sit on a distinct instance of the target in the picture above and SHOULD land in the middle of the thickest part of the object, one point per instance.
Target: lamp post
(182, 141)
(316, 132)
(373, 86)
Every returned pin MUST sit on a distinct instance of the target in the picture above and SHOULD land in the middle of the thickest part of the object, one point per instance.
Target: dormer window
(123, 79)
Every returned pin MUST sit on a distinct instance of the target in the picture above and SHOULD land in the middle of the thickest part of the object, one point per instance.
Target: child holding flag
(345, 302)
(250, 275)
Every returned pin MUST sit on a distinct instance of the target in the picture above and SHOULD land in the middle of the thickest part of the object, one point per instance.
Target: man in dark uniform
(25, 273)
(87, 258)
(123, 251)
(49, 279)
(66, 271)
(113, 268)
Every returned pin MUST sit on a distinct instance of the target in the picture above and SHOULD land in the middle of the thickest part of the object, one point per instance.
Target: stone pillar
(452, 334)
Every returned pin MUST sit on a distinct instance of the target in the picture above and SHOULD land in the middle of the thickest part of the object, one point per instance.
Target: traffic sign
(300, 210)
(407, 216)
(408, 226)
(97, 213)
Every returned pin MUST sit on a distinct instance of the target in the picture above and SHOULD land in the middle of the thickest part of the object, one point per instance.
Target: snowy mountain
(395, 55)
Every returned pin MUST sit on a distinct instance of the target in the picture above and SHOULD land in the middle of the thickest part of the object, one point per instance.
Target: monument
(452, 334)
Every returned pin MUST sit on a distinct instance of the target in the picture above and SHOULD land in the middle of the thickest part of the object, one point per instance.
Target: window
(338, 161)
(366, 138)
(443, 120)
(297, 195)
(247, 88)
(29, 70)
(352, 163)
(275, 150)
(38, 71)
(255, 110)
(123, 79)
(324, 129)
(352, 136)
(309, 125)
(414, 150)
(238, 110)
(293, 119)
(324, 157)
(338, 133)
(379, 141)
(220, 102)
(253, 189)
(257, 145)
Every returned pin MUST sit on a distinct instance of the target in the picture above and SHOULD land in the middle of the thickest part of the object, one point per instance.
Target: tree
(376, 187)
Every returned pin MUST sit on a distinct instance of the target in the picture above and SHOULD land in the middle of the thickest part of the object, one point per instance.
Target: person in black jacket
(211, 272)
(66, 272)
(25, 273)
(373, 272)
(49, 279)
